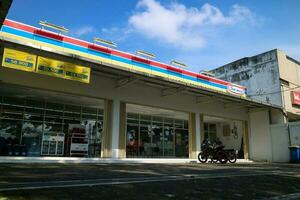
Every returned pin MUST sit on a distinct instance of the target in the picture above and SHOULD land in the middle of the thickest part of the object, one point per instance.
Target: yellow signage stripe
(110, 61)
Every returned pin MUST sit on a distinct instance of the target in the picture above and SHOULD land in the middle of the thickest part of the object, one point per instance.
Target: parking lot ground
(149, 181)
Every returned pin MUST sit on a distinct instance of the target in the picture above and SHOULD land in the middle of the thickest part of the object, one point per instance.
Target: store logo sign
(236, 90)
(295, 98)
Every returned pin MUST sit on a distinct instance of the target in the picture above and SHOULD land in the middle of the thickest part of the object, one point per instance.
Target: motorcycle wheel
(202, 157)
(232, 157)
(222, 157)
(214, 160)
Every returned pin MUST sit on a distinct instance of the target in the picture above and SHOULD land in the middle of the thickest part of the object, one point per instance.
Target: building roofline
(247, 57)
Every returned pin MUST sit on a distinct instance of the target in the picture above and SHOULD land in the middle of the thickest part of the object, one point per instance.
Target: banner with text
(19, 60)
(62, 69)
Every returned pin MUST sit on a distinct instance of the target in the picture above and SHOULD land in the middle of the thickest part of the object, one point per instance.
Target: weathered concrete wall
(260, 74)
(289, 71)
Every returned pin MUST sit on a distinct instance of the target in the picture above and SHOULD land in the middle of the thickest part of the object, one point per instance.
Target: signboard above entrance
(32, 63)
(63, 69)
(124, 61)
(19, 60)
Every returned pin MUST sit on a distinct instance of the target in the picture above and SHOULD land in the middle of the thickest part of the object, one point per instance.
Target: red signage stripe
(51, 35)
(157, 64)
(100, 48)
(174, 69)
(214, 80)
(18, 26)
(121, 54)
(75, 41)
(201, 76)
(139, 59)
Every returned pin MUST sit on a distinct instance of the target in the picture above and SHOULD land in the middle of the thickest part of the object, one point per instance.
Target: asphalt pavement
(31, 179)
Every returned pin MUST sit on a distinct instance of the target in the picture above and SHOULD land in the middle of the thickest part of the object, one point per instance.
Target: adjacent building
(271, 77)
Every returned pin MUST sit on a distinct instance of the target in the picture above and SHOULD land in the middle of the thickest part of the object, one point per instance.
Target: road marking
(285, 197)
(120, 181)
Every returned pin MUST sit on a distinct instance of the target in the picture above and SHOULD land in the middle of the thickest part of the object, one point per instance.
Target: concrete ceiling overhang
(124, 78)
(49, 96)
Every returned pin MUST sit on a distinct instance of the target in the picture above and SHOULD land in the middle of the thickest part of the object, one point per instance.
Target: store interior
(155, 132)
(42, 123)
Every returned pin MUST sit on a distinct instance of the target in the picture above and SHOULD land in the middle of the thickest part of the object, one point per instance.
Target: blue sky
(202, 34)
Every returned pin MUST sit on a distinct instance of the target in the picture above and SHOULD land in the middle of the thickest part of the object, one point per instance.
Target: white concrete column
(115, 128)
(198, 133)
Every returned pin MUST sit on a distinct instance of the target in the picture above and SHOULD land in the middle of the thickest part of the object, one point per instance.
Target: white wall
(260, 137)
(280, 143)
(294, 133)
(229, 141)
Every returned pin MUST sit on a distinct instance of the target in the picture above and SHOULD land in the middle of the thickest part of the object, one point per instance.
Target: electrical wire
(253, 95)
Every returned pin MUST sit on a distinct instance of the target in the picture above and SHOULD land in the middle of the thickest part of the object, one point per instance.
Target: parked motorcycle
(231, 155)
(214, 151)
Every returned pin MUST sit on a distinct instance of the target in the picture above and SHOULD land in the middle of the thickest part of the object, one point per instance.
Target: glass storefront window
(31, 136)
(181, 143)
(54, 109)
(210, 131)
(145, 141)
(89, 113)
(72, 112)
(157, 141)
(168, 141)
(132, 147)
(155, 136)
(10, 136)
(31, 127)
(94, 130)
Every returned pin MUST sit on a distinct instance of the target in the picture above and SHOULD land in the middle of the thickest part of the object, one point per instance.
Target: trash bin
(295, 154)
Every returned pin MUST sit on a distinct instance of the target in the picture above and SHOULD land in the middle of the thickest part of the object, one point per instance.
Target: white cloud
(180, 26)
(85, 30)
(111, 30)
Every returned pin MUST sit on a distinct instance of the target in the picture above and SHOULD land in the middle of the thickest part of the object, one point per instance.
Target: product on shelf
(77, 141)
(53, 143)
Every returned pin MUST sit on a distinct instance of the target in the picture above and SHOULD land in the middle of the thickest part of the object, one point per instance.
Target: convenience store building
(63, 97)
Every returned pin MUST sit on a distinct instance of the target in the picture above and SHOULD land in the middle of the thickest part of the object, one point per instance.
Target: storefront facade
(58, 100)
(37, 127)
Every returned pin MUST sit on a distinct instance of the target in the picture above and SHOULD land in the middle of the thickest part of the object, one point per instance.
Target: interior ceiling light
(53, 26)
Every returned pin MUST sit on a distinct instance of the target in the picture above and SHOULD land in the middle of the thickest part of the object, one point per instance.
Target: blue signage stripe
(108, 56)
